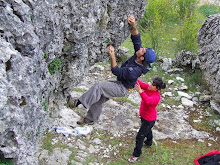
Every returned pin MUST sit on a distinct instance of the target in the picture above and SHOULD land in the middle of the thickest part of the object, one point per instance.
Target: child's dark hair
(157, 81)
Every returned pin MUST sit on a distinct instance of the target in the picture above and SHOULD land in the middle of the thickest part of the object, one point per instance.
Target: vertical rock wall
(68, 36)
(209, 56)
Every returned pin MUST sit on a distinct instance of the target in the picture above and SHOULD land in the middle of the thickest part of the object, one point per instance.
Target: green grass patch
(79, 90)
(4, 161)
(204, 124)
(67, 48)
(47, 142)
(103, 63)
(45, 104)
(168, 152)
(170, 101)
(124, 99)
(47, 145)
(193, 79)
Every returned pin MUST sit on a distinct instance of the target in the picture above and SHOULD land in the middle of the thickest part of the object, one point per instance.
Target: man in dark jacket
(127, 76)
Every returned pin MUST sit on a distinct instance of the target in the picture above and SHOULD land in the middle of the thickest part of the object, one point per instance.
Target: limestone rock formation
(46, 47)
(187, 59)
(209, 55)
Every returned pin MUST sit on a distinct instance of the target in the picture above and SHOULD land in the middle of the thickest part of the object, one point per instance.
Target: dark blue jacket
(130, 70)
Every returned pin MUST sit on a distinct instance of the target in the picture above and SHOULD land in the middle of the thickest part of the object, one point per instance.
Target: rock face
(209, 54)
(187, 59)
(45, 49)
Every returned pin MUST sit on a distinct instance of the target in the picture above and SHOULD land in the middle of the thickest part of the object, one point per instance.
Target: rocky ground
(120, 120)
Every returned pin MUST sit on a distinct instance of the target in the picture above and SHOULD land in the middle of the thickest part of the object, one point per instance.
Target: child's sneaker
(133, 159)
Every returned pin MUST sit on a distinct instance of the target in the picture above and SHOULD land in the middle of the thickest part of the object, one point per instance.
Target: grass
(4, 161)
(168, 152)
(193, 79)
(125, 99)
(204, 125)
(79, 90)
(47, 142)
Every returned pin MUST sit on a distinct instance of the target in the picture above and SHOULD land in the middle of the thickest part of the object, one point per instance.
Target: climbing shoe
(85, 121)
(72, 102)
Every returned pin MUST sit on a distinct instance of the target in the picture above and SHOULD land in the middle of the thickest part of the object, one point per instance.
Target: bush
(208, 10)
(55, 65)
(185, 8)
(188, 35)
(153, 22)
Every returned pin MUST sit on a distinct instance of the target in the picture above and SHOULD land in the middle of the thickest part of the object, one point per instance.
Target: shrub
(208, 10)
(185, 8)
(153, 22)
(55, 65)
(45, 104)
(46, 55)
(188, 35)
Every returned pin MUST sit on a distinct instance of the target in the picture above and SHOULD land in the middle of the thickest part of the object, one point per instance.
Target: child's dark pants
(144, 131)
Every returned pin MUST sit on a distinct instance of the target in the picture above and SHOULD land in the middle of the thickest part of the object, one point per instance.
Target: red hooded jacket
(150, 100)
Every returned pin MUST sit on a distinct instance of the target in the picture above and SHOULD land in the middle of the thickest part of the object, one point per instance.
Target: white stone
(97, 141)
(170, 81)
(167, 94)
(183, 94)
(184, 87)
(186, 102)
(180, 79)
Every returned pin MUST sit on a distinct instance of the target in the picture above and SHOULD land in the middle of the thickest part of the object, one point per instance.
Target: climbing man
(127, 76)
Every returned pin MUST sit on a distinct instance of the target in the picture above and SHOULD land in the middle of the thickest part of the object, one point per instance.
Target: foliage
(67, 48)
(188, 35)
(185, 8)
(28, 134)
(47, 142)
(55, 65)
(108, 41)
(45, 104)
(170, 26)
(32, 18)
(79, 90)
(194, 79)
(153, 22)
(208, 10)
(46, 55)
(6, 162)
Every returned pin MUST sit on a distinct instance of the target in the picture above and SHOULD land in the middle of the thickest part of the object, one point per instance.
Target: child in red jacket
(150, 98)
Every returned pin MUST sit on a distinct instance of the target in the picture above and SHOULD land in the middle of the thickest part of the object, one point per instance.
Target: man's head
(146, 55)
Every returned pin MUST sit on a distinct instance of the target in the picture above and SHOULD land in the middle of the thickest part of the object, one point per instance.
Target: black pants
(144, 131)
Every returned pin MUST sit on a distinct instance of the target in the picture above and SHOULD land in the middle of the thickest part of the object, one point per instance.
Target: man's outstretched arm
(131, 21)
(111, 52)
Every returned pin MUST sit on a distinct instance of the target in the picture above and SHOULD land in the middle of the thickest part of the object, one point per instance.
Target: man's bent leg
(98, 94)
(106, 89)
(95, 109)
